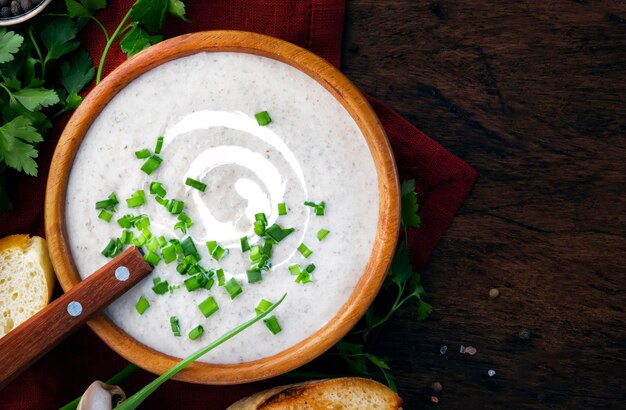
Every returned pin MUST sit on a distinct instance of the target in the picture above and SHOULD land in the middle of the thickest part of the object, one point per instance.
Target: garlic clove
(101, 396)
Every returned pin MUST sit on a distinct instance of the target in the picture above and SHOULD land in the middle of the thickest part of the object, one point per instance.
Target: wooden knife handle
(22, 346)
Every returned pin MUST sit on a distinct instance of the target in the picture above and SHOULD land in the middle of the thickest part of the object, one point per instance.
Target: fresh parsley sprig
(144, 17)
(42, 70)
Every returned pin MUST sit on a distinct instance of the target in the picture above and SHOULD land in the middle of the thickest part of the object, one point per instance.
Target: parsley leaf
(176, 8)
(409, 204)
(21, 128)
(137, 40)
(10, 43)
(15, 149)
(76, 72)
(34, 98)
(58, 38)
(84, 8)
(150, 13)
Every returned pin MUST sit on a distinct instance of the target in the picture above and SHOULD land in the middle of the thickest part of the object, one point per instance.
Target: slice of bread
(344, 393)
(26, 279)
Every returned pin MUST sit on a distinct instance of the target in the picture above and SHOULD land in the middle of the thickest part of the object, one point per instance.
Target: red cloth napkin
(443, 181)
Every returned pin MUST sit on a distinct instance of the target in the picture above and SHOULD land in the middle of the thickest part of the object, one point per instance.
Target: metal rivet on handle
(122, 273)
(74, 308)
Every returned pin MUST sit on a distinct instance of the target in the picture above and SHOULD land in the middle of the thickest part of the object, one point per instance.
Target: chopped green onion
(151, 164)
(259, 227)
(304, 250)
(189, 248)
(220, 277)
(263, 118)
(105, 216)
(277, 233)
(152, 258)
(254, 275)
(195, 184)
(162, 201)
(143, 237)
(184, 222)
(260, 217)
(162, 241)
(109, 203)
(175, 325)
(113, 248)
(196, 332)
(195, 282)
(267, 248)
(173, 288)
(183, 217)
(233, 288)
(128, 221)
(272, 324)
(215, 250)
(322, 233)
(161, 287)
(310, 268)
(255, 253)
(208, 306)
(245, 245)
(304, 277)
(295, 269)
(142, 222)
(156, 188)
(142, 154)
(153, 244)
(169, 253)
(175, 206)
(159, 145)
(136, 199)
(319, 208)
(209, 284)
(142, 305)
(127, 237)
(263, 305)
(282, 209)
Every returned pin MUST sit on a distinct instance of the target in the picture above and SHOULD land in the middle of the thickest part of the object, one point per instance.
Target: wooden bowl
(356, 105)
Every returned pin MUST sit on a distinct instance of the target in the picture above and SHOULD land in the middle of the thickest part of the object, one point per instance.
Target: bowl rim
(11, 21)
(388, 218)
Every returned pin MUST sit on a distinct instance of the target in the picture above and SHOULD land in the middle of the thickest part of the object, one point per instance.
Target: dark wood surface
(532, 95)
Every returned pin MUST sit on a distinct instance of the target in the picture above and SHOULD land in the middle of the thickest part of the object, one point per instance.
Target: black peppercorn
(5, 12)
(15, 8)
(26, 5)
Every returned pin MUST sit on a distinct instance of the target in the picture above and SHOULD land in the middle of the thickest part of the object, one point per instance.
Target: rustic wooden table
(532, 94)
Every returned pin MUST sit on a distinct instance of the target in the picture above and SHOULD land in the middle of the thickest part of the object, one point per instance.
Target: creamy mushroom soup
(204, 106)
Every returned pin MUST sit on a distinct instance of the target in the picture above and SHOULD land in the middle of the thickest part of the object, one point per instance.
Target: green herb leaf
(16, 150)
(150, 13)
(76, 72)
(410, 207)
(10, 43)
(137, 40)
(58, 38)
(34, 98)
(84, 8)
(176, 8)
